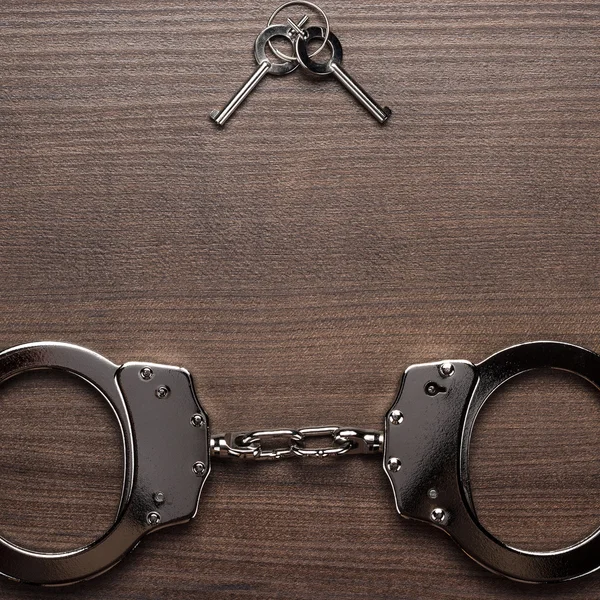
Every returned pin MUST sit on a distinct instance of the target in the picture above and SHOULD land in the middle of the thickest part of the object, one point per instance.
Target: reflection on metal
(251, 446)
(425, 446)
(160, 448)
(433, 444)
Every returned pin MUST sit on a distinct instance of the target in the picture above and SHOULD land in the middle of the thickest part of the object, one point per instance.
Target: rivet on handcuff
(425, 446)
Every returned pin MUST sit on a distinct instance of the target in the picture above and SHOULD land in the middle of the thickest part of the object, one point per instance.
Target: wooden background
(296, 262)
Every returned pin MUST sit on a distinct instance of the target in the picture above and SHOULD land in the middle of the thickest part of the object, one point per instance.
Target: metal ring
(260, 47)
(325, 451)
(148, 425)
(342, 445)
(256, 436)
(66, 567)
(304, 58)
(316, 8)
(254, 440)
(432, 453)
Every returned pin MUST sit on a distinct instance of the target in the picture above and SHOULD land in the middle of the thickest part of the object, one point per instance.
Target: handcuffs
(425, 446)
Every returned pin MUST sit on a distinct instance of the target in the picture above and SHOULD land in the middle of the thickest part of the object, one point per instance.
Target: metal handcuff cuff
(425, 446)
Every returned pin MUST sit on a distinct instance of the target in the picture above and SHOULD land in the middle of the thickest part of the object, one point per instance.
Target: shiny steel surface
(265, 66)
(160, 448)
(425, 446)
(432, 445)
(297, 29)
(333, 66)
(250, 445)
(260, 49)
(316, 8)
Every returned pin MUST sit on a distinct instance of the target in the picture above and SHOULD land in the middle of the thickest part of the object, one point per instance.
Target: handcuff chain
(250, 445)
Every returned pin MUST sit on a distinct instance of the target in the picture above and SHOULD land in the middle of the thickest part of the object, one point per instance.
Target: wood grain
(296, 262)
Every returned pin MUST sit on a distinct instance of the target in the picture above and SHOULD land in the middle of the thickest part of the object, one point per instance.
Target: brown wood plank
(296, 262)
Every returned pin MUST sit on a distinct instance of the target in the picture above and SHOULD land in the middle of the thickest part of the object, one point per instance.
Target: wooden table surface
(296, 262)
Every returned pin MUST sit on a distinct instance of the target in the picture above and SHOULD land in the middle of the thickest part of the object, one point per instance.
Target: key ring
(316, 8)
(304, 58)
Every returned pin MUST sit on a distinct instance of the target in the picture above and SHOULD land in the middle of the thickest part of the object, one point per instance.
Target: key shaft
(333, 66)
(382, 114)
(220, 117)
(265, 65)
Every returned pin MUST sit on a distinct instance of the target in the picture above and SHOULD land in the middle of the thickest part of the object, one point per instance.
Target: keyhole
(433, 389)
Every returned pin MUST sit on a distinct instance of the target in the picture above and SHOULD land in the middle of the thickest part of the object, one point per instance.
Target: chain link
(251, 445)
